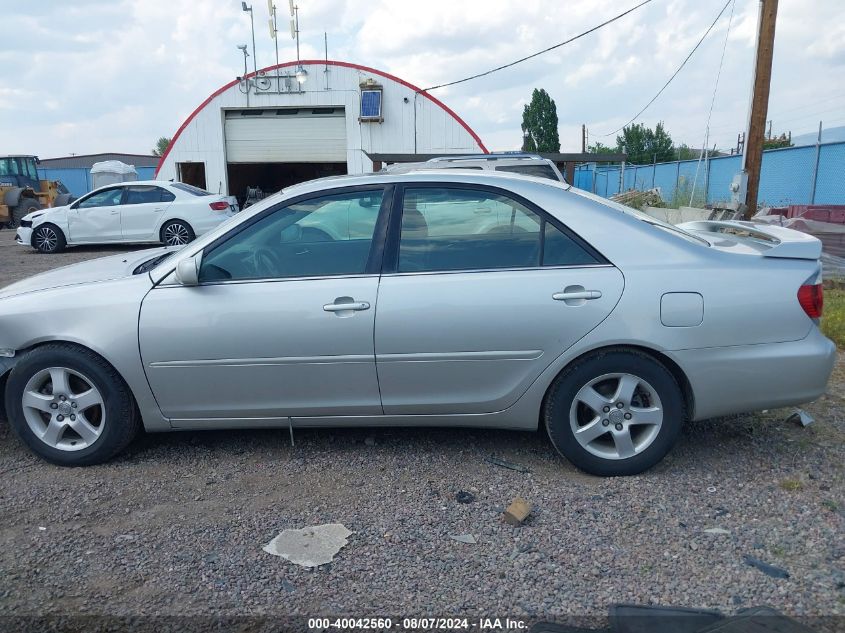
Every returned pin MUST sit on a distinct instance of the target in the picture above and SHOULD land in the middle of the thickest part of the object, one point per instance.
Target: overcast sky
(84, 76)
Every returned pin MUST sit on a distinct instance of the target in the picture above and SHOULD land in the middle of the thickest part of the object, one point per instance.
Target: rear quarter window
(541, 171)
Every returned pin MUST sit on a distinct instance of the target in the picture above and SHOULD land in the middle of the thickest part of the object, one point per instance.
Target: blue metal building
(75, 171)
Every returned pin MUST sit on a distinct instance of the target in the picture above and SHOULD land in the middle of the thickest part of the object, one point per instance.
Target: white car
(171, 213)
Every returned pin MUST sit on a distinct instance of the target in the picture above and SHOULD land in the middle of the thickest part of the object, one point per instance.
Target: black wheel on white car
(25, 207)
(177, 233)
(614, 413)
(48, 238)
(70, 406)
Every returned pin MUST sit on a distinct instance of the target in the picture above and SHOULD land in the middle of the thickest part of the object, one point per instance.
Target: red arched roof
(367, 69)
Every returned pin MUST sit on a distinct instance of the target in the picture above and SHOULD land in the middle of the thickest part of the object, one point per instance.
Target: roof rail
(490, 156)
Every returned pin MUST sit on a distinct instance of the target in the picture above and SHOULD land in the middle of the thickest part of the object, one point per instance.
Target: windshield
(195, 191)
(641, 216)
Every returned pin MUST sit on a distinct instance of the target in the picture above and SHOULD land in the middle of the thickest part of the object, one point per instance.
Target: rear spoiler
(776, 241)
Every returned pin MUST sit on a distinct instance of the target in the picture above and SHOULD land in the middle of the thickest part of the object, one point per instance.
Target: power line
(706, 143)
(675, 74)
(545, 50)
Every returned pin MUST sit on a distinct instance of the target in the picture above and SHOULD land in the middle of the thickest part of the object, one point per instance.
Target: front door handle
(342, 304)
(579, 294)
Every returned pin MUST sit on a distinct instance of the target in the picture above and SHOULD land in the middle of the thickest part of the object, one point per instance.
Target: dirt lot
(176, 525)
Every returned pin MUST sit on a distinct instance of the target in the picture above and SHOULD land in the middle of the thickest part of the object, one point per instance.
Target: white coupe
(171, 213)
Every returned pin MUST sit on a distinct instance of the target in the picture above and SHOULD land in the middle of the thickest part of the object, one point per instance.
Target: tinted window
(195, 191)
(105, 198)
(144, 194)
(561, 250)
(542, 171)
(330, 235)
(462, 229)
(466, 229)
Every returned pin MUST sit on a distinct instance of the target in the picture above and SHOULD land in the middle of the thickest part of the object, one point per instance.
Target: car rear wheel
(614, 413)
(48, 238)
(177, 233)
(70, 406)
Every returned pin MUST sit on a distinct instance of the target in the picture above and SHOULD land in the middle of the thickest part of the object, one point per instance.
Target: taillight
(811, 298)
(220, 205)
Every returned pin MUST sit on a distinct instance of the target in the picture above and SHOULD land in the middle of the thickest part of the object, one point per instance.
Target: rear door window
(451, 229)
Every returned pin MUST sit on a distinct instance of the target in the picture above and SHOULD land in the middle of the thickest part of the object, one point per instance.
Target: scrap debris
(463, 538)
(310, 546)
(766, 568)
(517, 512)
(506, 464)
(463, 496)
(801, 417)
(639, 199)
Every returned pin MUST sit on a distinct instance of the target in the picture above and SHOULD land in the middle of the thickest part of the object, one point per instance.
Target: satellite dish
(262, 83)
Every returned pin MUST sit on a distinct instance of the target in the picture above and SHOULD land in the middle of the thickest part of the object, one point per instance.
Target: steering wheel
(265, 262)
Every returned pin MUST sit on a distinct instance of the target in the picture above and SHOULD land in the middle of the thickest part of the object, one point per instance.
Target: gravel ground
(176, 525)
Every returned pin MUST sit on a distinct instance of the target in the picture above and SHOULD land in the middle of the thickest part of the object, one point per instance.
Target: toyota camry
(453, 298)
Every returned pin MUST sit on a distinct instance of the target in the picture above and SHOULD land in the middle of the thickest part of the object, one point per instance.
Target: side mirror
(187, 270)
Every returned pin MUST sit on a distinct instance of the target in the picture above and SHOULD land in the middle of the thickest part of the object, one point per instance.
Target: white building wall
(417, 126)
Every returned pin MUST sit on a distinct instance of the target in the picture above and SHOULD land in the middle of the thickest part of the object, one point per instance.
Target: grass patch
(791, 485)
(830, 505)
(833, 319)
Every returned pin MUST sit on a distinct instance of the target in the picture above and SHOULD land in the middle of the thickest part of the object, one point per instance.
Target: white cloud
(102, 75)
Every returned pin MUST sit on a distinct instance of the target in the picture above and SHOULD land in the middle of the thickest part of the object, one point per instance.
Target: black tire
(48, 238)
(562, 394)
(119, 419)
(174, 228)
(25, 206)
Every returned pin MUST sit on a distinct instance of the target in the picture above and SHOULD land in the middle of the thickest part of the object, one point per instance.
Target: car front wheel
(70, 406)
(615, 413)
(48, 238)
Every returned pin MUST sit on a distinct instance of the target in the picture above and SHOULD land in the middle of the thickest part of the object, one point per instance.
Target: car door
(143, 207)
(281, 323)
(481, 292)
(96, 217)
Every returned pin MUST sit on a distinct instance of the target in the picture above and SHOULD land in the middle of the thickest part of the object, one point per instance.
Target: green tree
(600, 148)
(161, 146)
(776, 142)
(685, 152)
(539, 124)
(644, 145)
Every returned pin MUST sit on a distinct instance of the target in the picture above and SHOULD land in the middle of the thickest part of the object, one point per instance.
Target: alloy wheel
(46, 239)
(64, 409)
(616, 416)
(176, 235)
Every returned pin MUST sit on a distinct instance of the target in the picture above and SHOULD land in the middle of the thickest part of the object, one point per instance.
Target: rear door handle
(341, 307)
(580, 294)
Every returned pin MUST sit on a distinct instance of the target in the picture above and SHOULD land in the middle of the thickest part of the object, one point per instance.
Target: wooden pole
(753, 155)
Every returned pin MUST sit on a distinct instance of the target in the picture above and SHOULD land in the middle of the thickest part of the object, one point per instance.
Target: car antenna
(290, 428)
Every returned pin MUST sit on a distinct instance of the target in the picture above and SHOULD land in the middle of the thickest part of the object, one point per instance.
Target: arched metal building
(270, 130)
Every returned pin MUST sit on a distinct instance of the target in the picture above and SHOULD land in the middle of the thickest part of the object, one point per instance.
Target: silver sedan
(452, 298)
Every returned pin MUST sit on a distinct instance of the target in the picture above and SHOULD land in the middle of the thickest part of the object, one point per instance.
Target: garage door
(290, 135)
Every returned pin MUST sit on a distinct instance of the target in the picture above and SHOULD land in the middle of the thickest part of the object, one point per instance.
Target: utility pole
(583, 138)
(753, 155)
